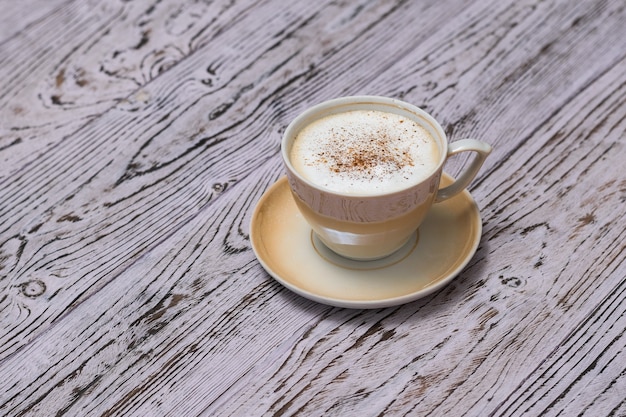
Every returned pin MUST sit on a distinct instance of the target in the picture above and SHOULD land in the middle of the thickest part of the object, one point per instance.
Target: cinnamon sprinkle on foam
(364, 151)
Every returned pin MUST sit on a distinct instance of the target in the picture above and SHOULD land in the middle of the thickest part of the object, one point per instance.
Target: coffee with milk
(365, 152)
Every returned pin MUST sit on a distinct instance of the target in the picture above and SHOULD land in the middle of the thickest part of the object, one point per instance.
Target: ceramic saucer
(288, 250)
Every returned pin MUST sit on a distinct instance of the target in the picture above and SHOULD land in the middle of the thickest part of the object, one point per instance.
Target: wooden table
(136, 138)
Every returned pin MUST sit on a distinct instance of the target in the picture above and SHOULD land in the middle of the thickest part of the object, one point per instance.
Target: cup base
(364, 264)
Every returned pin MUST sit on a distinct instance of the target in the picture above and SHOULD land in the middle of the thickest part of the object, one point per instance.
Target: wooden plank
(84, 59)
(20, 16)
(153, 303)
(50, 86)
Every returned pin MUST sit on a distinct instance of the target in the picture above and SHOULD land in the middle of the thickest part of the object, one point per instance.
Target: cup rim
(337, 105)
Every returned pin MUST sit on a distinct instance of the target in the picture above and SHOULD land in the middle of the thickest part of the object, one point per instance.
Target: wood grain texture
(137, 137)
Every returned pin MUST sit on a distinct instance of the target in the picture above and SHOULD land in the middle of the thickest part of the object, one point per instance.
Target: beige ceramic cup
(367, 227)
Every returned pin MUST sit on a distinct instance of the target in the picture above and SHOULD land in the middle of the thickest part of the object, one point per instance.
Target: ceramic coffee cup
(366, 226)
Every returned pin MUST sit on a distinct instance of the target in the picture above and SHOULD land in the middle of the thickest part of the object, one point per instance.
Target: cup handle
(482, 150)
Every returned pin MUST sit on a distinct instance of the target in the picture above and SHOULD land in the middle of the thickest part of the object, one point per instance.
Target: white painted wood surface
(137, 136)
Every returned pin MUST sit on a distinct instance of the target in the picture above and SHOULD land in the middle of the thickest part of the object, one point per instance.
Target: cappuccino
(365, 152)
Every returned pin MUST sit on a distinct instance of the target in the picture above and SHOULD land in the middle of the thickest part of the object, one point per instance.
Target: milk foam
(365, 152)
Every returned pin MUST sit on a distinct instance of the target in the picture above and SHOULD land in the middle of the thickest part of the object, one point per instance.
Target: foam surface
(364, 152)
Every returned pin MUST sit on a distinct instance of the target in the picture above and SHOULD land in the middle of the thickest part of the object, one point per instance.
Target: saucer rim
(370, 303)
